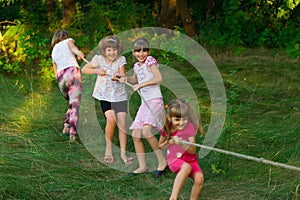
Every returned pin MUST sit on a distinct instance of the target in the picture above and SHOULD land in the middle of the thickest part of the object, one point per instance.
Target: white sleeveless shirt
(62, 56)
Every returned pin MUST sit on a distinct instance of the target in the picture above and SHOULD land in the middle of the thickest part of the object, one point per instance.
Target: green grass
(262, 121)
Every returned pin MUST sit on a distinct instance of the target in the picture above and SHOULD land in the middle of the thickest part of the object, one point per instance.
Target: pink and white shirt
(143, 73)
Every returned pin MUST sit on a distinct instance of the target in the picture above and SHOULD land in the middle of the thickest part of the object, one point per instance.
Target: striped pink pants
(69, 83)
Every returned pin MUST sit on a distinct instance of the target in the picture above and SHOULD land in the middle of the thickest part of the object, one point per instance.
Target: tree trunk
(68, 10)
(50, 9)
(186, 16)
(168, 17)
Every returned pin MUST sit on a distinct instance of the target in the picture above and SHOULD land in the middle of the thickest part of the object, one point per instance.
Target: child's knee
(147, 132)
(199, 179)
(111, 122)
(187, 168)
(136, 135)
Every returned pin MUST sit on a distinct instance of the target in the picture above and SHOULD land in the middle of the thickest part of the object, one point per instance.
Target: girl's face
(111, 53)
(141, 54)
(178, 123)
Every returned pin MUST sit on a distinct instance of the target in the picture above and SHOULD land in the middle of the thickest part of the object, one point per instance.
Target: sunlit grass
(37, 163)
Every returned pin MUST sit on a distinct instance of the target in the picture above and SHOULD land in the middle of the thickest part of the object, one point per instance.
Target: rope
(238, 155)
(260, 160)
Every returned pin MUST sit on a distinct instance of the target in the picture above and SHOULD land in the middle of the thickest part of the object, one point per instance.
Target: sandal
(108, 158)
(128, 161)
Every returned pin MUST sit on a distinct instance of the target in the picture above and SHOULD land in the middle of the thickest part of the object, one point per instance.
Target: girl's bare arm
(90, 69)
(163, 143)
(189, 148)
(75, 49)
(122, 71)
(54, 69)
(132, 79)
(156, 79)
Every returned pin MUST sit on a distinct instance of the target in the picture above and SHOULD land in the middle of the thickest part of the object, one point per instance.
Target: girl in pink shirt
(182, 124)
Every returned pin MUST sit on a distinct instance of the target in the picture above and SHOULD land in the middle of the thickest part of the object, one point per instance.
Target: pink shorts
(176, 164)
(153, 117)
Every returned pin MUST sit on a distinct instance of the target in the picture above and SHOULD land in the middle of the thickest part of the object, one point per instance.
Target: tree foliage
(27, 26)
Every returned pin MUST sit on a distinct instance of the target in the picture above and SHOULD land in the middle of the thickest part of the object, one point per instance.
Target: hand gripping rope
(238, 155)
(260, 160)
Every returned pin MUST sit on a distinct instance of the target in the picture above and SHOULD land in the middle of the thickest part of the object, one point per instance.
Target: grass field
(263, 114)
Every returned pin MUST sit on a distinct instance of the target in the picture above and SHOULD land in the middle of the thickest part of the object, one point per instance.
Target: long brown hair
(181, 109)
(59, 36)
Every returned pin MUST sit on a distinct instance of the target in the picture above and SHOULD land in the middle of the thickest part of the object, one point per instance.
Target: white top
(105, 88)
(62, 56)
(144, 74)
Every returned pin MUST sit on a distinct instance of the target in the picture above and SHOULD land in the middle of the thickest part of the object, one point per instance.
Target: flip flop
(128, 161)
(108, 158)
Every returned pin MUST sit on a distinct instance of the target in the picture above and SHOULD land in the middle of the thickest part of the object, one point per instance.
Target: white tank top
(62, 56)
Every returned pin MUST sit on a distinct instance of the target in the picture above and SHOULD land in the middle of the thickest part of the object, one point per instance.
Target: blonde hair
(109, 41)
(59, 36)
(140, 43)
(180, 109)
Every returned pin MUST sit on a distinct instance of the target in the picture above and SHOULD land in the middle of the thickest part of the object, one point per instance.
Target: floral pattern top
(105, 88)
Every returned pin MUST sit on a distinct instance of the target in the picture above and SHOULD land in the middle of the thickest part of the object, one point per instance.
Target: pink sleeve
(150, 61)
(163, 133)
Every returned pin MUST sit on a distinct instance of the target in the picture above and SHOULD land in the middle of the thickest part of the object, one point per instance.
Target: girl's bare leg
(140, 150)
(197, 187)
(180, 180)
(109, 131)
(152, 140)
(121, 122)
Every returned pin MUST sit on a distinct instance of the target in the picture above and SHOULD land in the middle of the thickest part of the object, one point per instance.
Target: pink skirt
(154, 117)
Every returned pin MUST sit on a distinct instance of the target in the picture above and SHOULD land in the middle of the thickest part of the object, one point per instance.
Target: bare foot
(72, 139)
(162, 166)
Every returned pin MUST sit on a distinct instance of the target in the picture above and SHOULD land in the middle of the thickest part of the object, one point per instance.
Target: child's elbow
(160, 146)
(83, 70)
(192, 149)
(159, 80)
